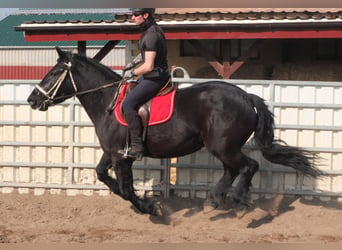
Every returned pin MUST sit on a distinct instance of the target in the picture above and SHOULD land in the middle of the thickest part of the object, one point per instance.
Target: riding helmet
(143, 10)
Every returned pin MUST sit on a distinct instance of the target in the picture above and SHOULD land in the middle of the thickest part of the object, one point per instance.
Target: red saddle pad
(161, 109)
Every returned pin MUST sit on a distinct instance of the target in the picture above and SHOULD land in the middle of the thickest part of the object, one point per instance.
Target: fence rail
(58, 149)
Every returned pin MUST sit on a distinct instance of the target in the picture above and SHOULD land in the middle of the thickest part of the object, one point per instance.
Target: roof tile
(176, 14)
(204, 14)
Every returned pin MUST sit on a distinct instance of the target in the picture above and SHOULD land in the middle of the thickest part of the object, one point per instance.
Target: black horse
(215, 115)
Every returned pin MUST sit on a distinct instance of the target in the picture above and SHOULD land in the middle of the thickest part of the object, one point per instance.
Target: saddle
(155, 111)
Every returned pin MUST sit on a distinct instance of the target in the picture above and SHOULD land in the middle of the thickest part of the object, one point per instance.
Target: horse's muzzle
(40, 105)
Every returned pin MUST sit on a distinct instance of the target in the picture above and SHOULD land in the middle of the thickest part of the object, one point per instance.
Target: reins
(108, 85)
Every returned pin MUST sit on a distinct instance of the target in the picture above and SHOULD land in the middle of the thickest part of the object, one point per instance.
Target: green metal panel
(10, 37)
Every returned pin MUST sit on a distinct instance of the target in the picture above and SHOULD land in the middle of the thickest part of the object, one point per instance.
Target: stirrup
(128, 153)
(124, 152)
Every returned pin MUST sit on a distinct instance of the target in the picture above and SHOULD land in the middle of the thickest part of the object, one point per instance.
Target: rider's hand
(129, 74)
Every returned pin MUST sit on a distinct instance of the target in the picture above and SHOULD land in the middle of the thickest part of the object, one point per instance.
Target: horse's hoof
(241, 213)
(161, 214)
(158, 210)
(241, 210)
(209, 206)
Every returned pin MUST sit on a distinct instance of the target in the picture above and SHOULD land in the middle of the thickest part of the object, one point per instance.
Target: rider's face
(139, 17)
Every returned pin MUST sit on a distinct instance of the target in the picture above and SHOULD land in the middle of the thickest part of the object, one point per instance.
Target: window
(329, 49)
(188, 50)
(234, 48)
(238, 47)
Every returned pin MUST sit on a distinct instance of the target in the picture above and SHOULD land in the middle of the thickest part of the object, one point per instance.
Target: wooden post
(105, 50)
(82, 47)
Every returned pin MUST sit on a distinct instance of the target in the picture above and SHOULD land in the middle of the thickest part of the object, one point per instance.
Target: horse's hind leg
(247, 171)
(218, 194)
(234, 164)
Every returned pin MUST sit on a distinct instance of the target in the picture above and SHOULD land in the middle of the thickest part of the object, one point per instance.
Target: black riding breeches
(144, 91)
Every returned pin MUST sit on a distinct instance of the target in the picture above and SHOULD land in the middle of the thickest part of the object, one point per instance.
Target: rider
(153, 71)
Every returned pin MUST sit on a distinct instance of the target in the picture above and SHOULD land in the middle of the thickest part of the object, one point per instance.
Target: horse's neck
(96, 102)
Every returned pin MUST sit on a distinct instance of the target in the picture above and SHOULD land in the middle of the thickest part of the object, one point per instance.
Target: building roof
(248, 13)
(196, 23)
(10, 37)
(242, 10)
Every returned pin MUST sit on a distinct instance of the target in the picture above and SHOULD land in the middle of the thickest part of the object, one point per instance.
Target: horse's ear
(60, 52)
(63, 55)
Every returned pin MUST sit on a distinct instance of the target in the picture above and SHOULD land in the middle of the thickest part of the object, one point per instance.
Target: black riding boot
(135, 130)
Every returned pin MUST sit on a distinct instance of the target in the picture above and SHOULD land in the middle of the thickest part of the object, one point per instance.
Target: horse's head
(56, 86)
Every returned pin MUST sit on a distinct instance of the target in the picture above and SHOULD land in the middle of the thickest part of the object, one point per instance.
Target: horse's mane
(97, 64)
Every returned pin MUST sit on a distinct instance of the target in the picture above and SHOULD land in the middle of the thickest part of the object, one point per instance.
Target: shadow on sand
(261, 211)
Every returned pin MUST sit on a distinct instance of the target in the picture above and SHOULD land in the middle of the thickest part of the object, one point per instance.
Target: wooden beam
(89, 36)
(105, 50)
(81, 35)
(82, 47)
(226, 58)
(204, 52)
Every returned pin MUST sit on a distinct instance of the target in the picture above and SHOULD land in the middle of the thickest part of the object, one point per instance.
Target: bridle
(51, 93)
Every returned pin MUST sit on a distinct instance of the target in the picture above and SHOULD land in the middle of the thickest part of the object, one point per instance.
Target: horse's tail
(294, 157)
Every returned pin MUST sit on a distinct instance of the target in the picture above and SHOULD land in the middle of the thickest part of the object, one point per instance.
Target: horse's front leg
(124, 175)
(102, 174)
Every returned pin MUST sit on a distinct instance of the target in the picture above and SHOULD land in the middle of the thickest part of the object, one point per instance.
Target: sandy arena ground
(26, 218)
